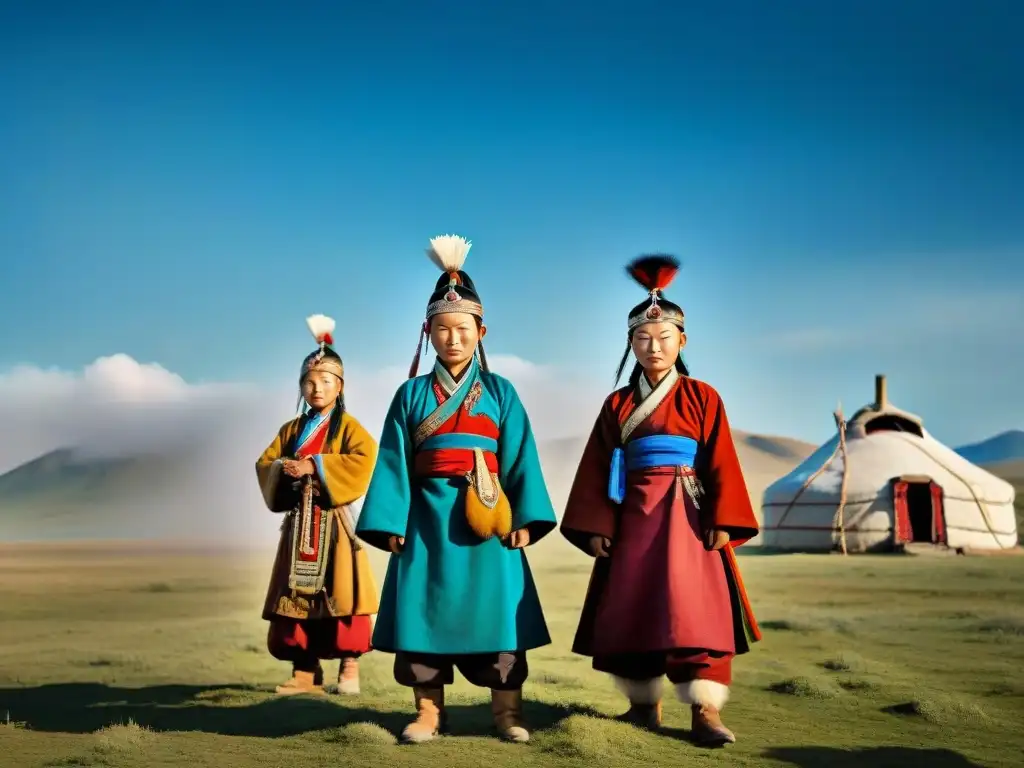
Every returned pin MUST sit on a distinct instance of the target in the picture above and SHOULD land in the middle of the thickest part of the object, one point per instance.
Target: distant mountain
(1007, 446)
(68, 494)
(64, 472)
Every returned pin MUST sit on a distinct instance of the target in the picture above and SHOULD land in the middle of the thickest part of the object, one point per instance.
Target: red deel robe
(661, 590)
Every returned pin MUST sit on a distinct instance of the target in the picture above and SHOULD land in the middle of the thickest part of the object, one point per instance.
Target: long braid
(622, 364)
(483, 357)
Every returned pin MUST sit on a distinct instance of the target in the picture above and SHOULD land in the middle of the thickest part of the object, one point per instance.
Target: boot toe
(299, 685)
(417, 735)
(348, 687)
(517, 734)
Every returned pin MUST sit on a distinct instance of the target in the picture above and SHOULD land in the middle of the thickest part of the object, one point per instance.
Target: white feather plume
(321, 326)
(448, 252)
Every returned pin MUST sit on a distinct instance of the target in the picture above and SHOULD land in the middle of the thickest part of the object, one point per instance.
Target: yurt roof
(858, 423)
(902, 448)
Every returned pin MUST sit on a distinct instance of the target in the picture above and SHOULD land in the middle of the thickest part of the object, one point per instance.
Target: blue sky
(184, 182)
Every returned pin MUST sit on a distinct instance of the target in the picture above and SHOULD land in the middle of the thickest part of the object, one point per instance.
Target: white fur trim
(706, 693)
(639, 691)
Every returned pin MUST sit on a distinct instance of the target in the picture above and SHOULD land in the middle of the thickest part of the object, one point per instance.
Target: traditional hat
(454, 290)
(324, 358)
(654, 273)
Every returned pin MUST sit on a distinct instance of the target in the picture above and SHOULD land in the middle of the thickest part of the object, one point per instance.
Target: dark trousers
(500, 671)
(682, 666)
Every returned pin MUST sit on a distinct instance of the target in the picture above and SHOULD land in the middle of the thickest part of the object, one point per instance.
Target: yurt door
(938, 514)
(919, 513)
(901, 522)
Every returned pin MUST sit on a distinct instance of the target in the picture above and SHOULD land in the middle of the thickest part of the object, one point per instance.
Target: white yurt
(883, 483)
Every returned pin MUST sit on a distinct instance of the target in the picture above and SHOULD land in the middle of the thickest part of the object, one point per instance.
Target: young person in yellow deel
(322, 593)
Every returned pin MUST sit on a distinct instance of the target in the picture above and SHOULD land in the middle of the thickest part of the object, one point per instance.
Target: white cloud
(901, 318)
(207, 437)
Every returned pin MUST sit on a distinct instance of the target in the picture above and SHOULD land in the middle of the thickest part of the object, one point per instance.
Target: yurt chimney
(880, 394)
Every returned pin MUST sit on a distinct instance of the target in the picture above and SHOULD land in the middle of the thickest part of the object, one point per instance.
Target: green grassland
(153, 657)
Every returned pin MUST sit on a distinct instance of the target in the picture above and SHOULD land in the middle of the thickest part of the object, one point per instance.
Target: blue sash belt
(646, 452)
(464, 440)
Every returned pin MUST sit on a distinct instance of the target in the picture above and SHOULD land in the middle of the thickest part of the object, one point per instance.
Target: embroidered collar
(314, 419)
(650, 399)
(645, 388)
(449, 384)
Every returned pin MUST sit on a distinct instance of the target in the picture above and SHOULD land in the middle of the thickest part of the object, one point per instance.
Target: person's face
(454, 336)
(320, 389)
(657, 346)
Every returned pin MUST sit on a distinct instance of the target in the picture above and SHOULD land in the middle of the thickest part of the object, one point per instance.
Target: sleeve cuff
(269, 488)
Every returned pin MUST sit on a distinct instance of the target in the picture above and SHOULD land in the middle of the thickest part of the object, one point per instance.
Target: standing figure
(456, 495)
(659, 500)
(322, 593)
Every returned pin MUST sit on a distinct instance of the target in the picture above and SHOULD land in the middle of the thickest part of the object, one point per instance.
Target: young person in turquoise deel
(456, 495)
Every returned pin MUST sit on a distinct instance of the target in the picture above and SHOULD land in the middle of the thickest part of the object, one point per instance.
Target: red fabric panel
(901, 523)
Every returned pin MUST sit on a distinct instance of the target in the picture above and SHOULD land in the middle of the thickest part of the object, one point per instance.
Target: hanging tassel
(622, 363)
(617, 476)
(415, 367)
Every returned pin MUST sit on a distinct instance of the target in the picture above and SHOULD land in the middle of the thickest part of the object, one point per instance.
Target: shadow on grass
(233, 711)
(876, 757)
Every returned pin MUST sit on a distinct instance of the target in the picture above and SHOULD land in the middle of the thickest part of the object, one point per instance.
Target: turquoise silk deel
(448, 592)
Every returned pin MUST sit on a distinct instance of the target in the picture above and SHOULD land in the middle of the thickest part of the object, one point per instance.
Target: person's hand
(600, 546)
(396, 543)
(716, 539)
(298, 468)
(518, 539)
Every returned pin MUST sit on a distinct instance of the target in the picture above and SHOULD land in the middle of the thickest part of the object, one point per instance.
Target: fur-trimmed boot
(644, 702)
(302, 682)
(348, 676)
(507, 708)
(430, 716)
(706, 699)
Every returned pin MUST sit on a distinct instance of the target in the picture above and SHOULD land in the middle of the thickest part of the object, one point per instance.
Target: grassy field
(1013, 473)
(156, 658)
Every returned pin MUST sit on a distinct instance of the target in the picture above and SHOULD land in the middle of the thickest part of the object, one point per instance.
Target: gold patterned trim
(652, 398)
(663, 316)
(325, 364)
(442, 413)
(443, 306)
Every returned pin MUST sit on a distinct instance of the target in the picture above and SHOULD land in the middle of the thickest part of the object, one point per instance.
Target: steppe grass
(138, 657)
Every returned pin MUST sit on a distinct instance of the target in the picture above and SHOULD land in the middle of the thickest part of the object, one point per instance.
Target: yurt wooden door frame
(918, 504)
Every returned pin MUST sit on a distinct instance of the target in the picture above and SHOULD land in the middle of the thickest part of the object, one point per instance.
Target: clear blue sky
(185, 181)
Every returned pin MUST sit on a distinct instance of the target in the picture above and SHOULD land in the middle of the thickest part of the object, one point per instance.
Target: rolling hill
(66, 494)
(1004, 447)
